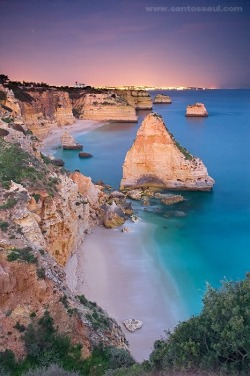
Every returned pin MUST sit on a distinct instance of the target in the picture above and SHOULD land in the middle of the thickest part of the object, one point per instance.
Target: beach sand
(52, 141)
(119, 271)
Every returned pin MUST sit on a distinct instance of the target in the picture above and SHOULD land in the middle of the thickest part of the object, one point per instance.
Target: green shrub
(119, 358)
(7, 119)
(8, 362)
(3, 95)
(216, 340)
(4, 226)
(19, 327)
(21, 167)
(11, 202)
(41, 273)
(63, 299)
(52, 370)
(36, 196)
(22, 254)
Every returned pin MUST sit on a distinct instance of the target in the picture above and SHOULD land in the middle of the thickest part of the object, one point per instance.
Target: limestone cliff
(40, 109)
(156, 159)
(196, 110)
(32, 283)
(104, 107)
(44, 214)
(139, 99)
(161, 98)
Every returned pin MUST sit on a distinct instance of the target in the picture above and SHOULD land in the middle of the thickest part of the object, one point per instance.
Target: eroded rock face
(47, 225)
(69, 143)
(139, 99)
(42, 109)
(162, 98)
(24, 297)
(11, 102)
(87, 189)
(105, 107)
(157, 160)
(196, 110)
(113, 216)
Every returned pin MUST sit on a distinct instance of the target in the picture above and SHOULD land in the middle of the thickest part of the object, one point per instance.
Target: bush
(36, 196)
(11, 202)
(41, 273)
(52, 370)
(22, 254)
(2, 95)
(19, 327)
(216, 340)
(119, 358)
(22, 167)
(4, 226)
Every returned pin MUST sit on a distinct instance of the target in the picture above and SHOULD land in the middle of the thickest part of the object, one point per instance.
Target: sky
(127, 42)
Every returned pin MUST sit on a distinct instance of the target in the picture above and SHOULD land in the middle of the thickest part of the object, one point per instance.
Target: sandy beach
(119, 271)
(52, 141)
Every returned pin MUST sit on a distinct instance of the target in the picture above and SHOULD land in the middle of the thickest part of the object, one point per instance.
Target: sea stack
(161, 98)
(197, 109)
(69, 143)
(157, 160)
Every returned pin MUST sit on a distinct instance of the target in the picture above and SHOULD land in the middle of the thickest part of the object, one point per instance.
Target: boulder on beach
(132, 324)
(113, 216)
(69, 143)
(197, 109)
(162, 98)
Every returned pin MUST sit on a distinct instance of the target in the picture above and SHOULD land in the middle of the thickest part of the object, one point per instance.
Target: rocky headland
(157, 160)
(162, 98)
(139, 99)
(105, 107)
(39, 109)
(196, 110)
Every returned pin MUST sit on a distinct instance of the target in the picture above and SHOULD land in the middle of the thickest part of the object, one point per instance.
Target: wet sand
(121, 273)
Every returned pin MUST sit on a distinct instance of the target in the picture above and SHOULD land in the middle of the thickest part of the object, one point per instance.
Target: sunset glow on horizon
(115, 43)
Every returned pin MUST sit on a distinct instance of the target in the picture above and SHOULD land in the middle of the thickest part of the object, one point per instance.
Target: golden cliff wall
(105, 107)
(156, 159)
(139, 99)
(42, 108)
(47, 225)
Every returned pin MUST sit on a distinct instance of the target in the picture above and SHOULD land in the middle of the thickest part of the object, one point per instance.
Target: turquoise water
(206, 237)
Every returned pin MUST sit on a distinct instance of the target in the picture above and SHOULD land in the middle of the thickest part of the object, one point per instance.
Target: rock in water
(132, 325)
(197, 109)
(157, 160)
(69, 143)
(83, 154)
(161, 98)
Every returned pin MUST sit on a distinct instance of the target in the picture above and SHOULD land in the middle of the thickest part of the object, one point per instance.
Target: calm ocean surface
(206, 237)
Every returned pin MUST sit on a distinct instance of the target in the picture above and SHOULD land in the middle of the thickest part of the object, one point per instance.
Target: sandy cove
(119, 271)
(52, 141)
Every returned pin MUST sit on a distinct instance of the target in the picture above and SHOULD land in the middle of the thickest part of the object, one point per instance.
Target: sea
(206, 238)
